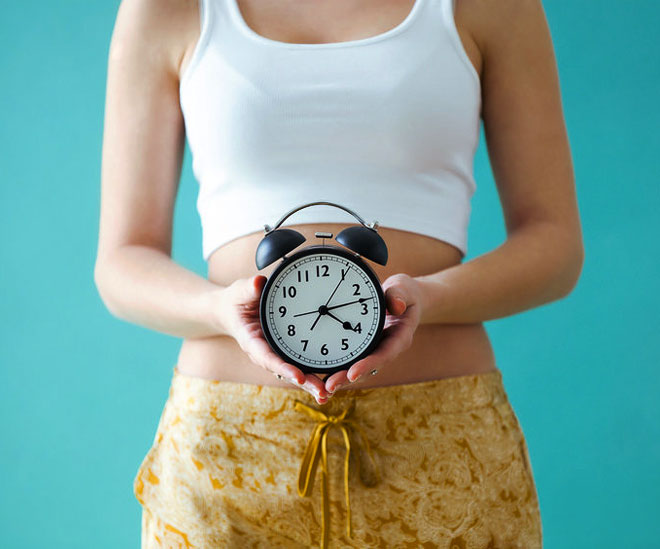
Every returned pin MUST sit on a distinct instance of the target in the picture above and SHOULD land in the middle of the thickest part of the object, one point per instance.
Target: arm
(143, 144)
(542, 257)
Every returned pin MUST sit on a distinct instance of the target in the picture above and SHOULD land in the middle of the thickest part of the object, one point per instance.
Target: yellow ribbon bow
(311, 458)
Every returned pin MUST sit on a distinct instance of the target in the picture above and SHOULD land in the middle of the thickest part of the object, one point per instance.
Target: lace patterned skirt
(440, 463)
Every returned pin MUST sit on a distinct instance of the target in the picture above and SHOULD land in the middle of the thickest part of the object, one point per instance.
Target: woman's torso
(438, 350)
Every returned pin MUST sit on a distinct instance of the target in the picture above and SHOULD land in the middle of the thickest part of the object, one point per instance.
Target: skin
(434, 300)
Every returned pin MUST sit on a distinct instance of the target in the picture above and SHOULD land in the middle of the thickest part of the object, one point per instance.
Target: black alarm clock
(322, 308)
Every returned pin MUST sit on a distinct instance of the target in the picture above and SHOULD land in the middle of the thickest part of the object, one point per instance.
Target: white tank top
(386, 125)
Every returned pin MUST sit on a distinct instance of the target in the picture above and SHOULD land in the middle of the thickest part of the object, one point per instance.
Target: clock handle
(373, 225)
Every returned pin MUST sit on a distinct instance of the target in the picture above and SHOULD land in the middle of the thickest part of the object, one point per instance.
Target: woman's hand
(238, 313)
(403, 300)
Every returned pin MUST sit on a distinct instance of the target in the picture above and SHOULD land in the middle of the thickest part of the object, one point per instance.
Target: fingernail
(354, 380)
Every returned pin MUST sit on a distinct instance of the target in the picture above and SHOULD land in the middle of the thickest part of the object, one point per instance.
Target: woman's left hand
(403, 311)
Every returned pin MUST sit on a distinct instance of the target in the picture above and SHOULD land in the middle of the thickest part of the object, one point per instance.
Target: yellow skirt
(440, 463)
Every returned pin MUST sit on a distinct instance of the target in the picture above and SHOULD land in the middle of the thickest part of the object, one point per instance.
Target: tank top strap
(216, 17)
(217, 31)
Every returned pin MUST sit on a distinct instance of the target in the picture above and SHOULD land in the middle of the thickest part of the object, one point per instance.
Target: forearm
(145, 286)
(537, 264)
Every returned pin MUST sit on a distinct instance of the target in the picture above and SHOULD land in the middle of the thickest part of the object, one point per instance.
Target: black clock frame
(330, 250)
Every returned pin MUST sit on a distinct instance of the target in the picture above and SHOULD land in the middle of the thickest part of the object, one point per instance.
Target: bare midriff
(437, 351)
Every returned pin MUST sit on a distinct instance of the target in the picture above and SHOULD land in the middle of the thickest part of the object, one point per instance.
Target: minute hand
(362, 299)
(343, 275)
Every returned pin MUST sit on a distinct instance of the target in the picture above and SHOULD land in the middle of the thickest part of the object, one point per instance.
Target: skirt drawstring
(311, 458)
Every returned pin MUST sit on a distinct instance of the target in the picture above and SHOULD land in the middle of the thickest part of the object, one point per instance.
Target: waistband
(449, 395)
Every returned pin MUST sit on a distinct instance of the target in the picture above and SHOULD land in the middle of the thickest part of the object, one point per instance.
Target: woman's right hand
(237, 311)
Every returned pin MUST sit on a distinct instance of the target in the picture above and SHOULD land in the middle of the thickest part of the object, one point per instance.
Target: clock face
(322, 309)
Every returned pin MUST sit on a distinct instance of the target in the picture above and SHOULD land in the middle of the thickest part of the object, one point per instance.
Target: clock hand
(308, 313)
(350, 302)
(343, 274)
(323, 308)
(335, 306)
(317, 319)
(361, 300)
(346, 325)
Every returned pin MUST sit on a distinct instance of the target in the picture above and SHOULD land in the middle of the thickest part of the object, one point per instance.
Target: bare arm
(542, 257)
(143, 144)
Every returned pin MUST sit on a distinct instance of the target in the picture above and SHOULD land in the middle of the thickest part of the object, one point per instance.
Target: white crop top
(386, 126)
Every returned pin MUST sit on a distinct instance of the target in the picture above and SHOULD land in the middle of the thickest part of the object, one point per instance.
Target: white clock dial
(322, 310)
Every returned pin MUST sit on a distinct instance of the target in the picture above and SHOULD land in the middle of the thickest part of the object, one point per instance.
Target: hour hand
(323, 310)
(346, 325)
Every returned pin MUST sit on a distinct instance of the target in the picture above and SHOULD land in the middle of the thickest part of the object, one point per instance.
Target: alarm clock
(323, 307)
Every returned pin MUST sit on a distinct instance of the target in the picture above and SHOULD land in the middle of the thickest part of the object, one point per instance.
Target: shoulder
(499, 25)
(159, 31)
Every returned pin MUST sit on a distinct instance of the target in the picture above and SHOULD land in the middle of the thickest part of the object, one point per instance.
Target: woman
(375, 106)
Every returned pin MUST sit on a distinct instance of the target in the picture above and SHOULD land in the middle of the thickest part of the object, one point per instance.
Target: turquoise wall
(81, 392)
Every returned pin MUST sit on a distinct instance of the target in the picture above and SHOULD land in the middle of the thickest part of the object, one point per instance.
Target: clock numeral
(357, 289)
(304, 342)
(324, 349)
(365, 309)
(291, 292)
(325, 272)
(306, 276)
(344, 344)
(358, 328)
(291, 330)
(282, 310)
(343, 273)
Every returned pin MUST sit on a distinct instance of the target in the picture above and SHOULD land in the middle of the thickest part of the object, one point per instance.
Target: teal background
(81, 392)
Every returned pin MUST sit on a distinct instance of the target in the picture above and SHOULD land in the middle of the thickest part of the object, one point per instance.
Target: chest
(322, 22)
(293, 89)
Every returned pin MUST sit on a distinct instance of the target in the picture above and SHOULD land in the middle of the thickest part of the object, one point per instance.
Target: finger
(396, 305)
(250, 291)
(268, 359)
(378, 357)
(336, 379)
(356, 371)
(275, 364)
(258, 282)
(389, 349)
(272, 362)
(311, 386)
(315, 385)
